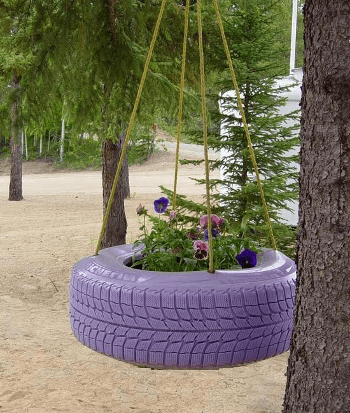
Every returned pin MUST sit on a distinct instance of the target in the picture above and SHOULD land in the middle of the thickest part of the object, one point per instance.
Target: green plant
(285, 235)
(142, 143)
(81, 153)
(170, 126)
(172, 246)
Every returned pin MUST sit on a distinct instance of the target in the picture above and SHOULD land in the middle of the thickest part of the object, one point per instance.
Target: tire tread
(182, 329)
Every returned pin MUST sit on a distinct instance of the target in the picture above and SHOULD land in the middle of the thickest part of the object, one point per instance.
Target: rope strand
(205, 137)
(182, 87)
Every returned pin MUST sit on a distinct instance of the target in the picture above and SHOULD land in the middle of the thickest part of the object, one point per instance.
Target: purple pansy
(141, 210)
(215, 221)
(172, 216)
(161, 204)
(221, 222)
(204, 221)
(206, 235)
(201, 250)
(247, 258)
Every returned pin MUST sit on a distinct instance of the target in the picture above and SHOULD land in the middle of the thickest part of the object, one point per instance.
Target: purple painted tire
(192, 320)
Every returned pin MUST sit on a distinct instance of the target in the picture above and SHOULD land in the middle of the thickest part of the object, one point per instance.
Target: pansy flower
(221, 222)
(172, 216)
(247, 258)
(206, 235)
(161, 204)
(141, 210)
(201, 250)
(216, 222)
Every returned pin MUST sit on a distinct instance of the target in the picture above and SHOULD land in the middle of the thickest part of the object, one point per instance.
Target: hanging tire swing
(194, 320)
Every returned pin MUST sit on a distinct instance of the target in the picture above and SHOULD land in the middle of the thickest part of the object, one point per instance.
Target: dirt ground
(43, 368)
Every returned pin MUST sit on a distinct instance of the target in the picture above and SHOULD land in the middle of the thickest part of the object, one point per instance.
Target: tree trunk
(48, 143)
(25, 144)
(115, 233)
(318, 375)
(15, 188)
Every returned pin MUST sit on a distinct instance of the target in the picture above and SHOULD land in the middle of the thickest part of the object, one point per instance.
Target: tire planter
(192, 320)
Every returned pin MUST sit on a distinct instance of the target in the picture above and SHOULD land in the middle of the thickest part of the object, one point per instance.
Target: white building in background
(293, 103)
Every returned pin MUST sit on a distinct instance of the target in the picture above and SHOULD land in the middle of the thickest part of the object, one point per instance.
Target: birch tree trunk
(41, 145)
(15, 188)
(318, 376)
(63, 132)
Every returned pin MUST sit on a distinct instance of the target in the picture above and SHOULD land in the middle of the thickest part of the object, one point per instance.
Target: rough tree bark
(15, 188)
(318, 376)
(115, 233)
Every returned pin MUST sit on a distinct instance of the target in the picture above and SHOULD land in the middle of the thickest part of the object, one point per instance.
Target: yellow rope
(182, 87)
(240, 105)
(205, 132)
(131, 123)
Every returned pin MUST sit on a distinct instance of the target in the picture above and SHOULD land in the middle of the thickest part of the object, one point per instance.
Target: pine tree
(91, 54)
(27, 43)
(12, 65)
(257, 58)
(113, 55)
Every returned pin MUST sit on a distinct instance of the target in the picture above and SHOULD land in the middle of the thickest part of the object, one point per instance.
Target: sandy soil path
(43, 368)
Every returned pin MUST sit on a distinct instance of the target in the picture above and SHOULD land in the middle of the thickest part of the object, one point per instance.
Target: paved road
(159, 171)
(188, 150)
